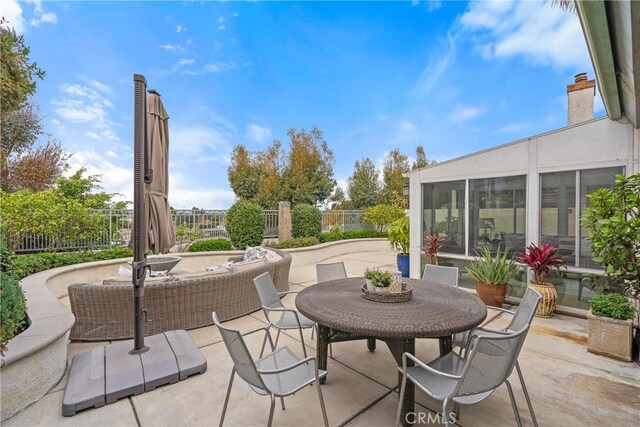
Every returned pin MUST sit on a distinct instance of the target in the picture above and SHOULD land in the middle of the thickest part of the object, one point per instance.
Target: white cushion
(272, 256)
(220, 267)
(253, 253)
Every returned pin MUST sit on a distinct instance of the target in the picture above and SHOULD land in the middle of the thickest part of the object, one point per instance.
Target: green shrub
(210, 245)
(382, 215)
(12, 309)
(245, 224)
(330, 237)
(25, 265)
(615, 306)
(297, 242)
(362, 234)
(6, 259)
(306, 221)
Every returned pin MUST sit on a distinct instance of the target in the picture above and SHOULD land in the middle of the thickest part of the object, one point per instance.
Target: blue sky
(455, 77)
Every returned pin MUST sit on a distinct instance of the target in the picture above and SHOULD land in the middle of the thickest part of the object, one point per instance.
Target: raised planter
(609, 337)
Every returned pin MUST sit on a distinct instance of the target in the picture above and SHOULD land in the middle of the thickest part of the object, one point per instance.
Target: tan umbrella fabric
(162, 235)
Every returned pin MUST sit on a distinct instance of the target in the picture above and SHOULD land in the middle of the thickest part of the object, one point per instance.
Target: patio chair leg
(324, 411)
(403, 385)
(513, 404)
(526, 395)
(282, 402)
(273, 406)
(277, 337)
(313, 330)
(304, 348)
(331, 350)
(226, 399)
(444, 412)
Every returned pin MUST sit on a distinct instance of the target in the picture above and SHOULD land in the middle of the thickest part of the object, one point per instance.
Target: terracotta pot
(491, 295)
(549, 298)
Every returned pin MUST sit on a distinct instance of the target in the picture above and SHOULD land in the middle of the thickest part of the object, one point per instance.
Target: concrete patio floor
(568, 385)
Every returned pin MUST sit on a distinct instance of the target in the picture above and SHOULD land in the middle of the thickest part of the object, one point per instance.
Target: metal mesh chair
(278, 374)
(466, 380)
(330, 271)
(439, 274)
(522, 317)
(288, 318)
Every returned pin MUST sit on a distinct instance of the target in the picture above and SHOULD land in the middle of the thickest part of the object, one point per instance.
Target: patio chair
(466, 380)
(440, 274)
(288, 318)
(278, 374)
(522, 317)
(330, 271)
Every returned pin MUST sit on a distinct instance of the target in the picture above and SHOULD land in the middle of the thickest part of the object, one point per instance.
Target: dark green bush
(330, 237)
(297, 242)
(12, 309)
(306, 221)
(245, 224)
(615, 306)
(210, 245)
(25, 265)
(6, 259)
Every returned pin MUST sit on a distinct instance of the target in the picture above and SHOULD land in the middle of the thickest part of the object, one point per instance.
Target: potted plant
(541, 259)
(434, 244)
(492, 274)
(378, 280)
(610, 326)
(398, 235)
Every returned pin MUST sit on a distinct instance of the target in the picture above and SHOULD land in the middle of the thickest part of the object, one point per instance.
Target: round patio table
(434, 311)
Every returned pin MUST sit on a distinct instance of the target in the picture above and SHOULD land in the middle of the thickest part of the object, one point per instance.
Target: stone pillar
(284, 221)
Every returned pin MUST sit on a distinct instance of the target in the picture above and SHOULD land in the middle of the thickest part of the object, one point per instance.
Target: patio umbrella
(160, 228)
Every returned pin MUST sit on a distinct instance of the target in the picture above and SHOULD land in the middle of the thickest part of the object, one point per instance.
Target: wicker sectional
(105, 312)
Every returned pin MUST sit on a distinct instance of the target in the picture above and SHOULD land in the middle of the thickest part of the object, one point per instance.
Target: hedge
(351, 234)
(296, 242)
(210, 245)
(306, 221)
(245, 224)
(12, 309)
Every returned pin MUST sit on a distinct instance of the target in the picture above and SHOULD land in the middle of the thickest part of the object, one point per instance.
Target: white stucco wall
(597, 143)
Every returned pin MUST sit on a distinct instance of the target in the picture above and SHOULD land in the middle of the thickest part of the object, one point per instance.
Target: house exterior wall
(597, 143)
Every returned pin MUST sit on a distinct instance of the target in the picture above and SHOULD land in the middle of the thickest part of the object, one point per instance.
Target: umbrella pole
(140, 168)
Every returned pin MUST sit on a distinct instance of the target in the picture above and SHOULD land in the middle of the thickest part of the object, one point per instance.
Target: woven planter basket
(549, 299)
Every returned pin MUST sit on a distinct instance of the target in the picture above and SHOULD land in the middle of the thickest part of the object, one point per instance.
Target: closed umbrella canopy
(160, 228)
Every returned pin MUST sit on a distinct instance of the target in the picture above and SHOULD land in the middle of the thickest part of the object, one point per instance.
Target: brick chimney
(580, 96)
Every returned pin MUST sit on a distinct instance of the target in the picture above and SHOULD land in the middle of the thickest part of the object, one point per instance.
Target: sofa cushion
(246, 265)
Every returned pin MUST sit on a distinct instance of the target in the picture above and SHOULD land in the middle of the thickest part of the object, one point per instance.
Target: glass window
(443, 212)
(590, 181)
(558, 213)
(497, 214)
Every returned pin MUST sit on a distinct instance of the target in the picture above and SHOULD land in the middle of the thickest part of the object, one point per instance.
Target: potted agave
(492, 274)
(610, 326)
(378, 280)
(541, 259)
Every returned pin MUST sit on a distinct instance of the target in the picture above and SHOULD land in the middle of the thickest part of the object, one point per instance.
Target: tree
(421, 159)
(396, 166)
(307, 176)
(87, 191)
(269, 166)
(17, 73)
(242, 173)
(363, 186)
(338, 198)
(37, 169)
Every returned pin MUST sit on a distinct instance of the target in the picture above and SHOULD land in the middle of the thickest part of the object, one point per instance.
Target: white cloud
(83, 105)
(180, 28)
(172, 47)
(114, 178)
(41, 16)
(209, 144)
(439, 59)
(235, 14)
(12, 12)
(406, 126)
(536, 31)
(462, 114)
(184, 62)
(258, 133)
(217, 67)
(184, 194)
(221, 27)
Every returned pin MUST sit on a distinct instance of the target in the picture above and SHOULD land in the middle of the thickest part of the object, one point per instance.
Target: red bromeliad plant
(434, 244)
(541, 259)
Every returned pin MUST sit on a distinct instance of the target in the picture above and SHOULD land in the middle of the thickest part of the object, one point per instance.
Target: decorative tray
(392, 295)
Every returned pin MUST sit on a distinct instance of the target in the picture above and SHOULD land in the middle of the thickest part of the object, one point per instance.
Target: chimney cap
(581, 77)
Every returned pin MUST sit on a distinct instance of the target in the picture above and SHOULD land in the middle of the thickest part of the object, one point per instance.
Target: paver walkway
(568, 385)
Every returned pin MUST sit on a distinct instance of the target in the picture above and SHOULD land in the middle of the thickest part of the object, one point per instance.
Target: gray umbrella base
(105, 374)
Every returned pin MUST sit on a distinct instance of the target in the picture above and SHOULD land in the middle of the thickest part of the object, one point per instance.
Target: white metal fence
(207, 224)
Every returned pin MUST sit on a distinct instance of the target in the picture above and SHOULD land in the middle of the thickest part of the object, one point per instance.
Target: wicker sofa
(105, 312)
